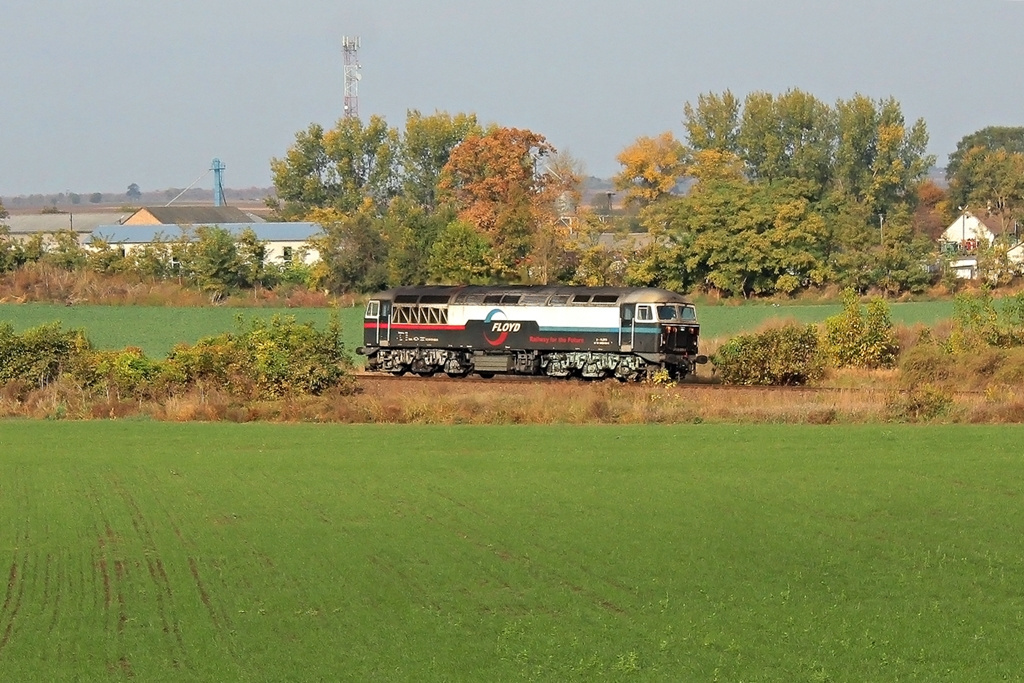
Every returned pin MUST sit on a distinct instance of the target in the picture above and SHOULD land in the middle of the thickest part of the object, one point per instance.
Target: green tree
(425, 149)
(65, 251)
(1010, 138)
(993, 181)
(744, 238)
(788, 136)
(211, 259)
(96, 198)
(106, 258)
(353, 252)
(134, 194)
(461, 255)
(880, 160)
(338, 168)
(410, 231)
(713, 124)
(12, 255)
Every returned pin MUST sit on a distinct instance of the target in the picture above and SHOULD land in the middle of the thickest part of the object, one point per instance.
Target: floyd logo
(497, 328)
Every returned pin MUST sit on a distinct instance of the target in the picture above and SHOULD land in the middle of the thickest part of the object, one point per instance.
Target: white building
(285, 242)
(967, 233)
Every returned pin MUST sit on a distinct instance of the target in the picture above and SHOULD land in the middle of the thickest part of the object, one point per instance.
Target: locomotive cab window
(689, 313)
(644, 312)
(373, 309)
(667, 313)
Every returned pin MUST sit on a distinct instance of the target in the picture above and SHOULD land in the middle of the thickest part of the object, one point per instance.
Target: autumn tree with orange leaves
(496, 184)
(650, 168)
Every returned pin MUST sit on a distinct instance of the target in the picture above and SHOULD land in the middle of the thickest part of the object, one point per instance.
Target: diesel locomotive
(591, 332)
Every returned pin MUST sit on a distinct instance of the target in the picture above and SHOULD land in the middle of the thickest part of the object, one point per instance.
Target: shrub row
(796, 354)
(262, 359)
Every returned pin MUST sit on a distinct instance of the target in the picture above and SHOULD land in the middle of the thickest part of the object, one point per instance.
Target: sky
(95, 95)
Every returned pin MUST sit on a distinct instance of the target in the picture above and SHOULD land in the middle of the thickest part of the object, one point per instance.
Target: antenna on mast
(350, 48)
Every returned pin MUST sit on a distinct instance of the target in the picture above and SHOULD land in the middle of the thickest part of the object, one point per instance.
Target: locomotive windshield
(676, 313)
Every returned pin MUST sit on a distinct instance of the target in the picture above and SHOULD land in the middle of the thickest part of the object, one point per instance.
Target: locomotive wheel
(398, 373)
(486, 375)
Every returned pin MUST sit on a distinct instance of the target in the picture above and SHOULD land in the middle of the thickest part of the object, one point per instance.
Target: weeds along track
(452, 384)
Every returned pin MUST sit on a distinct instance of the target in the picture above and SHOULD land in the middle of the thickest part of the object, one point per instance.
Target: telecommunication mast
(350, 48)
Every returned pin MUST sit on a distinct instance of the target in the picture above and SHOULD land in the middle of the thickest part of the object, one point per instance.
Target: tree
(461, 255)
(134, 194)
(651, 168)
(993, 181)
(3, 210)
(410, 231)
(493, 182)
(353, 253)
(12, 254)
(1010, 138)
(96, 198)
(65, 251)
(879, 160)
(213, 262)
(338, 168)
(789, 136)
(743, 238)
(713, 123)
(106, 258)
(426, 147)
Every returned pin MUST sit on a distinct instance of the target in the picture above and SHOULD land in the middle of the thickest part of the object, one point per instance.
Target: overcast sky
(95, 94)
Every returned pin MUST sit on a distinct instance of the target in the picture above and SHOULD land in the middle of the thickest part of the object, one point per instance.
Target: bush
(920, 404)
(783, 355)
(265, 359)
(39, 355)
(858, 338)
(978, 323)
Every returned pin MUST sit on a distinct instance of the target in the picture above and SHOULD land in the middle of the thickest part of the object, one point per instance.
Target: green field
(157, 329)
(700, 552)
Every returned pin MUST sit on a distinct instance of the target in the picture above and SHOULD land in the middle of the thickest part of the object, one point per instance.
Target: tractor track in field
(13, 597)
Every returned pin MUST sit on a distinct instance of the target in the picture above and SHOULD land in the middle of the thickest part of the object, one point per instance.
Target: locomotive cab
(679, 330)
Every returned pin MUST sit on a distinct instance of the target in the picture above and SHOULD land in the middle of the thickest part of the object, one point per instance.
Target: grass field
(157, 329)
(257, 552)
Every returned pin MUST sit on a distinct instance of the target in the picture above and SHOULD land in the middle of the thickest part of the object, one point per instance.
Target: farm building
(285, 242)
(83, 223)
(967, 233)
(190, 215)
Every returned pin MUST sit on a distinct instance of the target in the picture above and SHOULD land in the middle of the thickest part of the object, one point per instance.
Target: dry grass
(41, 282)
(432, 402)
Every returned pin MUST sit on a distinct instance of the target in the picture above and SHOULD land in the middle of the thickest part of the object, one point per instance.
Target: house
(190, 215)
(961, 240)
(285, 242)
